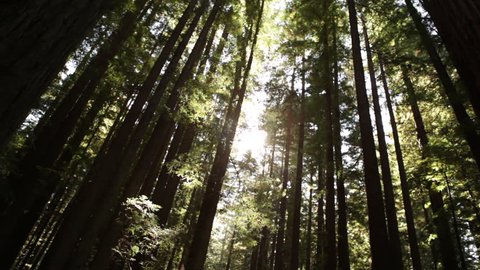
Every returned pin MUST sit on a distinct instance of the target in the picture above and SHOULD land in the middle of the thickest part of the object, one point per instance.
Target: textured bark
(165, 197)
(158, 142)
(308, 248)
(290, 191)
(458, 23)
(36, 43)
(440, 219)
(466, 124)
(319, 256)
(201, 237)
(280, 242)
(391, 211)
(230, 252)
(342, 239)
(45, 151)
(104, 253)
(376, 214)
(157, 179)
(297, 196)
(331, 240)
(458, 236)
(407, 202)
(262, 262)
(101, 171)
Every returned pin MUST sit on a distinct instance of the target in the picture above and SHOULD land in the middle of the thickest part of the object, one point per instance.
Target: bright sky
(251, 138)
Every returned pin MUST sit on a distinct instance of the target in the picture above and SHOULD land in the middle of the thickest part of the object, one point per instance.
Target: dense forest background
(124, 145)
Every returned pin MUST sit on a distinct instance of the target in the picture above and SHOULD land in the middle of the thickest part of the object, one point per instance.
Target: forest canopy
(240, 134)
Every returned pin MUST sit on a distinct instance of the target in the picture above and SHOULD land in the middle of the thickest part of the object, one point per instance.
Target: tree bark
(320, 254)
(407, 204)
(280, 242)
(458, 23)
(201, 237)
(22, 214)
(331, 241)
(158, 142)
(297, 197)
(165, 196)
(35, 46)
(391, 211)
(101, 171)
(376, 214)
(308, 248)
(458, 237)
(440, 220)
(342, 238)
(466, 124)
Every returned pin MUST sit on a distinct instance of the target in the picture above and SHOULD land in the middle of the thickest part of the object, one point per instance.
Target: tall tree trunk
(165, 197)
(331, 241)
(262, 261)
(35, 46)
(407, 204)
(156, 180)
(101, 172)
(376, 214)
(22, 214)
(343, 247)
(158, 142)
(297, 197)
(320, 254)
(308, 248)
(466, 124)
(391, 211)
(230, 252)
(458, 23)
(280, 242)
(440, 220)
(458, 237)
(201, 237)
(290, 192)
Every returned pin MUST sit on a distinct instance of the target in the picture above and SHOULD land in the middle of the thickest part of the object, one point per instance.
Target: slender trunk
(458, 23)
(157, 142)
(343, 247)
(161, 177)
(46, 151)
(36, 45)
(287, 256)
(201, 237)
(272, 157)
(331, 241)
(455, 225)
(320, 254)
(280, 242)
(391, 211)
(262, 261)
(230, 252)
(407, 204)
(165, 197)
(103, 168)
(308, 248)
(465, 122)
(440, 219)
(254, 258)
(376, 214)
(297, 197)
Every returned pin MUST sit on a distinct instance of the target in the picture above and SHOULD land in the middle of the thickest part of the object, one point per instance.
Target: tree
(376, 214)
(199, 245)
(407, 205)
(391, 211)
(54, 29)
